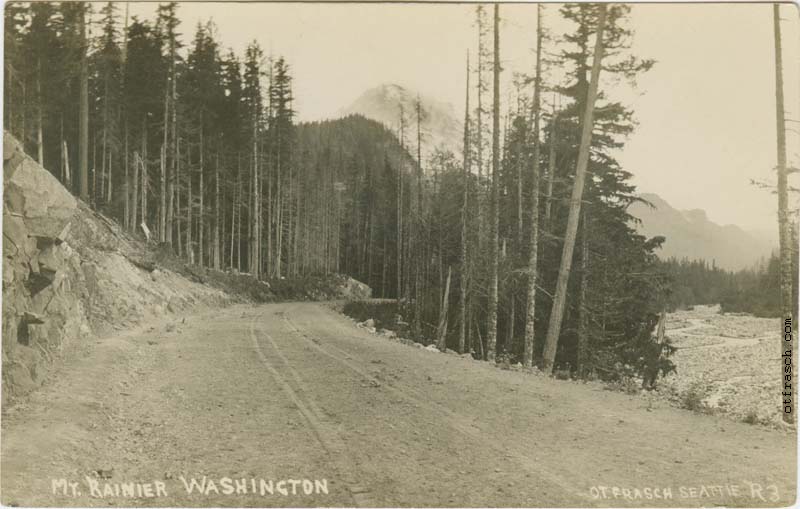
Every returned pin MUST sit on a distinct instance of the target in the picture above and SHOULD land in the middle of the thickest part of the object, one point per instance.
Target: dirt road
(257, 397)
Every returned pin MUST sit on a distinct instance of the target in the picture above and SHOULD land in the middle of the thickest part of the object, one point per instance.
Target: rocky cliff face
(69, 274)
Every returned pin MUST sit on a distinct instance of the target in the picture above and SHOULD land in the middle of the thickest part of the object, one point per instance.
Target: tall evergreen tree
(166, 26)
(107, 63)
(281, 135)
(254, 111)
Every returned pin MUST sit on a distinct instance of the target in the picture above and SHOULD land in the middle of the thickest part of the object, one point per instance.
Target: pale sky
(706, 111)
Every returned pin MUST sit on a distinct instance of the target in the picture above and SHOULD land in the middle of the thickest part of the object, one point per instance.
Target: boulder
(12, 155)
(34, 195)
(352, 289)
(18, 378)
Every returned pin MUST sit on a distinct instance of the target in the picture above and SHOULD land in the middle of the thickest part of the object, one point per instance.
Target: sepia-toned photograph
(400, 254)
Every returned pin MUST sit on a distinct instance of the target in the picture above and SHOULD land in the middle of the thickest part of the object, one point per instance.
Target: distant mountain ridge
(441, 126)
(690, 234)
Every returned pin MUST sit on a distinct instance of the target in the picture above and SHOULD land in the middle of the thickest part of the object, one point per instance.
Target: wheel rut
(324, 429)
(455, 421)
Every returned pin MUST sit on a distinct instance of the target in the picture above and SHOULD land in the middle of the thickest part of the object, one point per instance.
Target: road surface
(292, 405)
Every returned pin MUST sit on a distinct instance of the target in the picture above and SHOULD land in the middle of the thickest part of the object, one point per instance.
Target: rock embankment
(70, 274)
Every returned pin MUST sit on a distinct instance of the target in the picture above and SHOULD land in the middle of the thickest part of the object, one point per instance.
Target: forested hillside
(754, 290)
(441, 127)
(197, 147)
(355, 168)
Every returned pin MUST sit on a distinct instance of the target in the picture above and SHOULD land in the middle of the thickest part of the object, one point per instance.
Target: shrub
(383, 312)
(693, 398)
(751, 417)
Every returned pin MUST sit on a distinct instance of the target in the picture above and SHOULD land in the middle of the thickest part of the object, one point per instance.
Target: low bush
(383, 312)
(693, 398)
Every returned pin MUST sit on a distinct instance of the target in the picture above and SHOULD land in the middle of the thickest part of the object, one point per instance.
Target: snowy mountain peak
(441, 127)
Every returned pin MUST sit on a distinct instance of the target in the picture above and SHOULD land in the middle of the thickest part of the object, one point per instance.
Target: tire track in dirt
(420, 398)
(323, 429)
(452, 419)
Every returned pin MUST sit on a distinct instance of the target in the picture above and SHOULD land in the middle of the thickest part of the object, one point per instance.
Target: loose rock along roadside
(727, 364)
(295, 391)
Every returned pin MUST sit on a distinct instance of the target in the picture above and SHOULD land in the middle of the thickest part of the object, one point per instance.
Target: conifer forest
(168, 178)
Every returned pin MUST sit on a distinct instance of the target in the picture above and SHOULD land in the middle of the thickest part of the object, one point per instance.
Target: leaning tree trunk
(441, 330)
(533, 260)
(560, 298)
(491, 322)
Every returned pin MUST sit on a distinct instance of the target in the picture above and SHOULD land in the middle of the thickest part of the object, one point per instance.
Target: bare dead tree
(530, 312)
(491, 322)
(462, 303)
(784, 228)
(783, 194)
